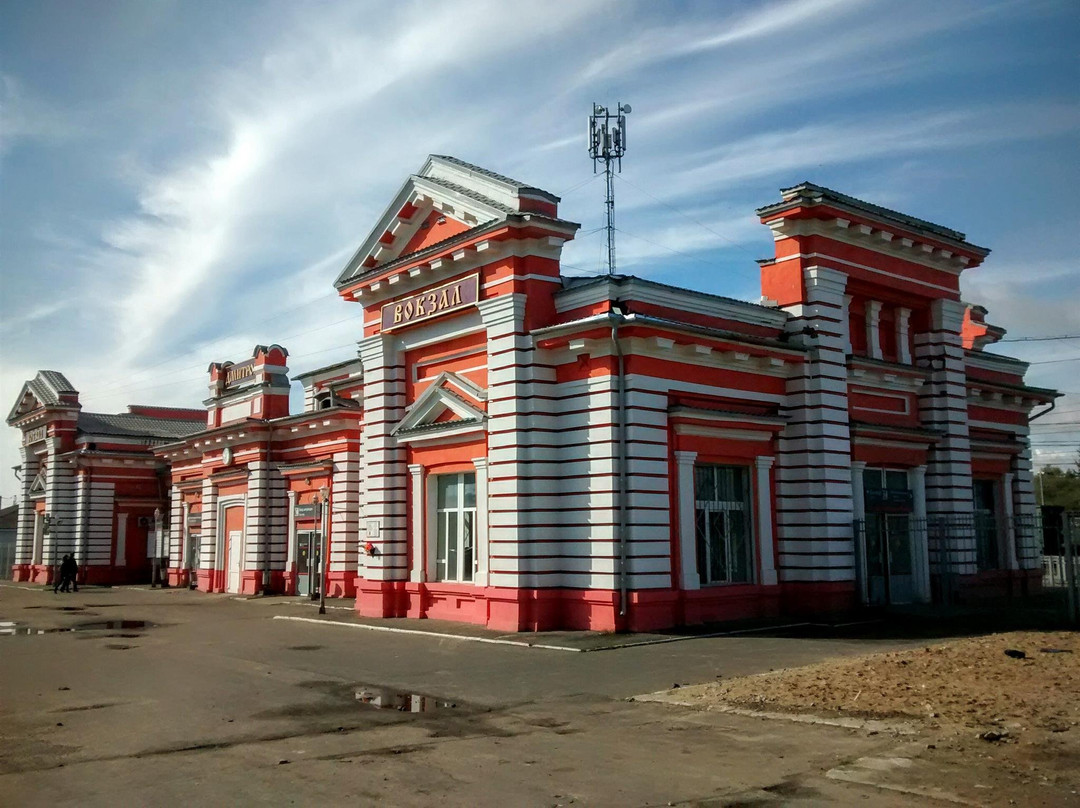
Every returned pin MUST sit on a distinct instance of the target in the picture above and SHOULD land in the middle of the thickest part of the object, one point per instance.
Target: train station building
(525, 450)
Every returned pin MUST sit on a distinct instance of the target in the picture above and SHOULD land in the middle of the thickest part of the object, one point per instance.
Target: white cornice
(679, 299)
(879, 240)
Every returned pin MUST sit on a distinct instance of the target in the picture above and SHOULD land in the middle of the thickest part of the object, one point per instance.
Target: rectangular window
(986, 529)
(723, 524)
(455, 514)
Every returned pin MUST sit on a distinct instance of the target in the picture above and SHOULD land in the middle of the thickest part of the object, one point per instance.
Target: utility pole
(607, 142)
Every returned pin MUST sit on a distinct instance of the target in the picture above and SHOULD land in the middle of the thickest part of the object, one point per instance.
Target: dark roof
(441, 425)
(520, 186)
(136, 426)
(818, 193)
(325, 368)
(575, 281)
(471, 194)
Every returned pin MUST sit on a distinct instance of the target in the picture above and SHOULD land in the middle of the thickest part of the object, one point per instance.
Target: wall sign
(239, 373)
(194, 518)
(304, 512)
(431, 303)
(35, 434)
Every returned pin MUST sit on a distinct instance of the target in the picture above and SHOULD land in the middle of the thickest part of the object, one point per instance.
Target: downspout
(620, 421)
(1047, 411)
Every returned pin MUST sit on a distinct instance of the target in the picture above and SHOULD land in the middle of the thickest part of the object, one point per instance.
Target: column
(59, 505)
(1009, 533)
(858, 514)
(920, 535)
(290, 551)
(481, 577)
(416, 478)
(24, 537)
(764, 511)
(873, 329)
(345, 520)
(903, 336)
(257, 528)
(82, 516)
(209, 535)
(943, 408)
(185, 533)
(386, 477)
(177, 548)
(813, 504)
(684, 471)
(845, 324)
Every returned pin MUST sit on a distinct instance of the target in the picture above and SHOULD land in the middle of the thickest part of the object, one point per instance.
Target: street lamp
(324, 542)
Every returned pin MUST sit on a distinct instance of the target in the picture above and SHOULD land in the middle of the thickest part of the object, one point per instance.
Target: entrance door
(308, 549)
(234, 547)
(889, 565)
(986, 533)
(194, 540)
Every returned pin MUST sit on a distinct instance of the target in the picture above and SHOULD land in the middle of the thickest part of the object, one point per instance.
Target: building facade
(528, 451)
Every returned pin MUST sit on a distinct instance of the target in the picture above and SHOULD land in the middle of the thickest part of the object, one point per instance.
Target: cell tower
(607, 142)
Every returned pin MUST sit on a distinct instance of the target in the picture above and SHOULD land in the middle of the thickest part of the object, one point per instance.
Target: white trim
(417, 570)
(824, 256)
(763, 491)
(684, 464)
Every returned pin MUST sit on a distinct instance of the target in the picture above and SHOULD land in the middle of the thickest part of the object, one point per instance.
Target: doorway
(233, 530)
(308, 556)
(888, 541)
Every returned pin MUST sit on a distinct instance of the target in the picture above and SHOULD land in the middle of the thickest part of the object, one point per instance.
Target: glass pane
(440, 549)
(704, 484)
(718, 562)
(896, 480)
(899, 544)
(702, 532)
(452, 549)
(875, 548)
(448, 490)
(470, 490)
(739, 544)
(467, 550)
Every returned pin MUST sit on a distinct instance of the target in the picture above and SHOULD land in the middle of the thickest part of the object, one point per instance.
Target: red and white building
(90, 484)
(528, 451)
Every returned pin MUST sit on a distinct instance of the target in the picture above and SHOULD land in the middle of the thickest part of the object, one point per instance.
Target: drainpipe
(617, 314)
(1047, 411)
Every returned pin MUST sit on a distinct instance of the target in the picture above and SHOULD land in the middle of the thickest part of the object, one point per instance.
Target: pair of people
(69, 572)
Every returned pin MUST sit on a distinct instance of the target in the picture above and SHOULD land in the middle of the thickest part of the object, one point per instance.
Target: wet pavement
(213, 701)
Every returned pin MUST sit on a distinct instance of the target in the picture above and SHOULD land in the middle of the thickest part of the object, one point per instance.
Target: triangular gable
(26, 403)
(445, 402)
(467, 196)
(37, 487)
(48, 388)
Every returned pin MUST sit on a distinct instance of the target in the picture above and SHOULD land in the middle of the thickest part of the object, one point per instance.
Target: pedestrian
(61, 579)
(69, 569)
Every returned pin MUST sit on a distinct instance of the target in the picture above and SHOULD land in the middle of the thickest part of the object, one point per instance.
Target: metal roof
(136, 426)
(517, 184)
(819, 193)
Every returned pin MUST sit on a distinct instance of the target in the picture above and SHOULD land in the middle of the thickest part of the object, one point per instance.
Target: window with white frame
(455, 514)
(723, 523)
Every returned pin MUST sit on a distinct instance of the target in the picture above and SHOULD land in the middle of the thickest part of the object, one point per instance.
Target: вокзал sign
(431, 303)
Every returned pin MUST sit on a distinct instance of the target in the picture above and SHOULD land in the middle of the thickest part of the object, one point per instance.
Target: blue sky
(182, 180)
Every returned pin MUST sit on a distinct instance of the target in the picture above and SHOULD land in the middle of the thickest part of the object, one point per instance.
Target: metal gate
(1061, 558)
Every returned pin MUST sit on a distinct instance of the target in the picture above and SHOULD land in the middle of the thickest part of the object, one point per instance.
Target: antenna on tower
(607, 142)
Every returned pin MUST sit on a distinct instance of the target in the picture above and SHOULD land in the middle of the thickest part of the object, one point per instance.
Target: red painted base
(507, 609)
(341, 584)
(94, 575)
(997, 584)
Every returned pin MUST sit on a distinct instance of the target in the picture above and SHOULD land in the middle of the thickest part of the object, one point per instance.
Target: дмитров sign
(431, 303)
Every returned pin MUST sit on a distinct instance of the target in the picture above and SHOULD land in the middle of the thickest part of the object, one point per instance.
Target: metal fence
(892, 568)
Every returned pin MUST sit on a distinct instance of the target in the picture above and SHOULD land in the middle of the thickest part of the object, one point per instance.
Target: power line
(686, 215)
(1041, 339)
(1055, 361)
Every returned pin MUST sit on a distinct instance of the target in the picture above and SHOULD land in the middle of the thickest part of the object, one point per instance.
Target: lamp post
(324, 545)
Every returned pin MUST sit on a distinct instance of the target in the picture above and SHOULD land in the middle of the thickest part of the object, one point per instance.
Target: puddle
(384, 699)
(11, 629)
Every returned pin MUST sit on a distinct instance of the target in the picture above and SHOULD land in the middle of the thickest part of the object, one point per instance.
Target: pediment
(37, 487)
(48, 388)
(451, 402)
(445, 198)
(26, 403)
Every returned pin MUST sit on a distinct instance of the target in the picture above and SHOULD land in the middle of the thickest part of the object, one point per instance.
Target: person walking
(69, 570)
(60, 584)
